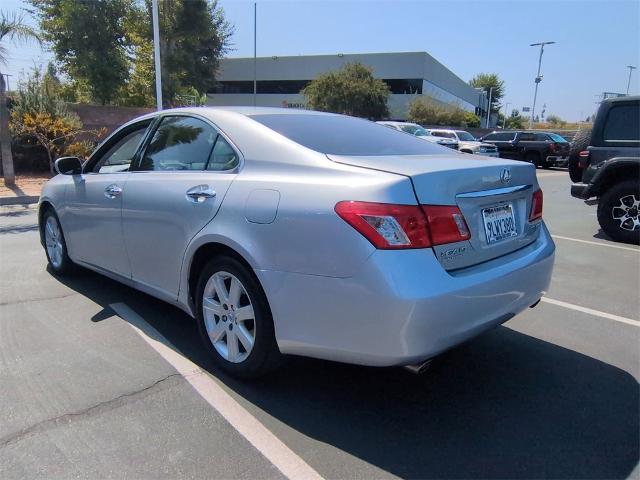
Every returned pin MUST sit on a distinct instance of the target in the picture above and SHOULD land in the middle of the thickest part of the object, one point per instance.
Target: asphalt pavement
(91, 391)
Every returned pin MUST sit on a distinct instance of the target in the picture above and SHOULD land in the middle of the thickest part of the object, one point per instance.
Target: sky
(596, 40)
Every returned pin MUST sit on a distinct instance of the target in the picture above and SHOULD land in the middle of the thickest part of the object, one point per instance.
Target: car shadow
(506, 405)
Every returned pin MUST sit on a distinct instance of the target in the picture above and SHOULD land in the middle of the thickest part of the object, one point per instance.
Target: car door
(173, 191)
(92, 218)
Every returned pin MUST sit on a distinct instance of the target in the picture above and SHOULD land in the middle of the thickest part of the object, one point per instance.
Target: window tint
(622, 124)
(500, 137)
(179, 143)
(527, 137)
(118, 157)
(442, 134)
(223, 157)
(342, 135)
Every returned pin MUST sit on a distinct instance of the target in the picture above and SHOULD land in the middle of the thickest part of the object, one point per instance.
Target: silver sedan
(296, 232)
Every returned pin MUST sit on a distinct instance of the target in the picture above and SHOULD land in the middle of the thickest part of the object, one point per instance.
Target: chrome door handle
(200, 193)
(112, 191)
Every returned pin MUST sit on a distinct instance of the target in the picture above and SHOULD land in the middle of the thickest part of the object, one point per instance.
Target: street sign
(526, 109)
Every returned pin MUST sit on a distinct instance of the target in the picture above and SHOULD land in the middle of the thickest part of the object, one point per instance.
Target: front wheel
(54, 244)
(234, 319)
(618, 212)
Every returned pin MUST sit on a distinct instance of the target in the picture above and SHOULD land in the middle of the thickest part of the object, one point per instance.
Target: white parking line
(590, 311)
(270, 446)
(600, 244)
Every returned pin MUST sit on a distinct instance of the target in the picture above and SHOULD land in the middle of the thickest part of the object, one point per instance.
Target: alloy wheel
(53, 241)
(229, 317)
(626, 213)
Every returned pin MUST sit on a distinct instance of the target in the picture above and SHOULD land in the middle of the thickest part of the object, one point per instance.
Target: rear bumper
(581, 190)
(403, 307)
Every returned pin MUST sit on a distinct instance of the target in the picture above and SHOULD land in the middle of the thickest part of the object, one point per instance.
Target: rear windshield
(343, 135)
(557, 138)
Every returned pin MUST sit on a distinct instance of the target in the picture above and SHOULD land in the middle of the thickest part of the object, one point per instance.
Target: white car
(421, 132)
(467, 143)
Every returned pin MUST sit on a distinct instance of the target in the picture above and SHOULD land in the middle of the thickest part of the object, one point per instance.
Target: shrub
(40, 117)
(428, 111)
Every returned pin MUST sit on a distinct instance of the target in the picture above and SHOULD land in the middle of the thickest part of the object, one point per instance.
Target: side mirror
(68, 166)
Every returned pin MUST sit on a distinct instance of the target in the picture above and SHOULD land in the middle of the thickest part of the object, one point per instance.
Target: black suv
(610, 168)
(543, 149)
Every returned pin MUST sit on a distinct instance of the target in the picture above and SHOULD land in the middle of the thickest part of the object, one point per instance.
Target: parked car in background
(297, 232)
(421, 132)
(467, 143)
(610, 168)
(543, 149)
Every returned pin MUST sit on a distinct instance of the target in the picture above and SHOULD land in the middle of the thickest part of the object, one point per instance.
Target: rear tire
(234, 319)
(580, 142)
(618, 212)
(55, 245)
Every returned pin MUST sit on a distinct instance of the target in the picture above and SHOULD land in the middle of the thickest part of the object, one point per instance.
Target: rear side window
(622, 124)
(343, 135)
(442, 134)
(179, 143)
(223, 156)
(529, 137)
(557, 138)
(500, 137)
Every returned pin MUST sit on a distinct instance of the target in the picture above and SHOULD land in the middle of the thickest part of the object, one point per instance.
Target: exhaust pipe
(419, 368)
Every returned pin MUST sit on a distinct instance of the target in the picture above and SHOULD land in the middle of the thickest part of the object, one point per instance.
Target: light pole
(489, 107)
(504, 120)
(631, 69)
(255, 50)
(156, 53)
(538, 78)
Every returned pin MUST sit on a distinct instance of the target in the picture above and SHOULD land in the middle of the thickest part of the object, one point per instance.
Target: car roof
(622, 99)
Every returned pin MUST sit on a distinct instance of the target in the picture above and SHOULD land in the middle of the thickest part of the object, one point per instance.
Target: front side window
(622, 124)
(119, 155)
(179, 143)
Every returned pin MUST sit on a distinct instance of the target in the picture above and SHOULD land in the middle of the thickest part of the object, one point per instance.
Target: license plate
(499, 223)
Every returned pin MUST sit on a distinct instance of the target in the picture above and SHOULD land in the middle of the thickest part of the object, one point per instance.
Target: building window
(396, 85)
(404, 86)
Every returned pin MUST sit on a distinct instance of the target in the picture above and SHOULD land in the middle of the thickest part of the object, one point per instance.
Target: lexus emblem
(505, 175)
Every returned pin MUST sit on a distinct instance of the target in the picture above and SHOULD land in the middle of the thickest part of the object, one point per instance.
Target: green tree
(427, 111)
(556, 120)
(515, 121)
(194, 35)
(352, 90)
(88, 39)
(490, 81)
(14, 29)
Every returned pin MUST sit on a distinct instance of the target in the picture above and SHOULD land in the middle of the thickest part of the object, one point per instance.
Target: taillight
(583, 158)
(536, 206)
(446, 224)
(552, 147)
(389, 226)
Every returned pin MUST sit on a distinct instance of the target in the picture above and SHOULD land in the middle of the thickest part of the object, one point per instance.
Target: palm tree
(12, 28)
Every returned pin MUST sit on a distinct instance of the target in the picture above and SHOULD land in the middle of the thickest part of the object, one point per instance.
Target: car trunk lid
(494, 197)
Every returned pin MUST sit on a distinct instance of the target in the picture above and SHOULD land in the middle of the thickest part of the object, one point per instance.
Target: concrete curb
(23, 200)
